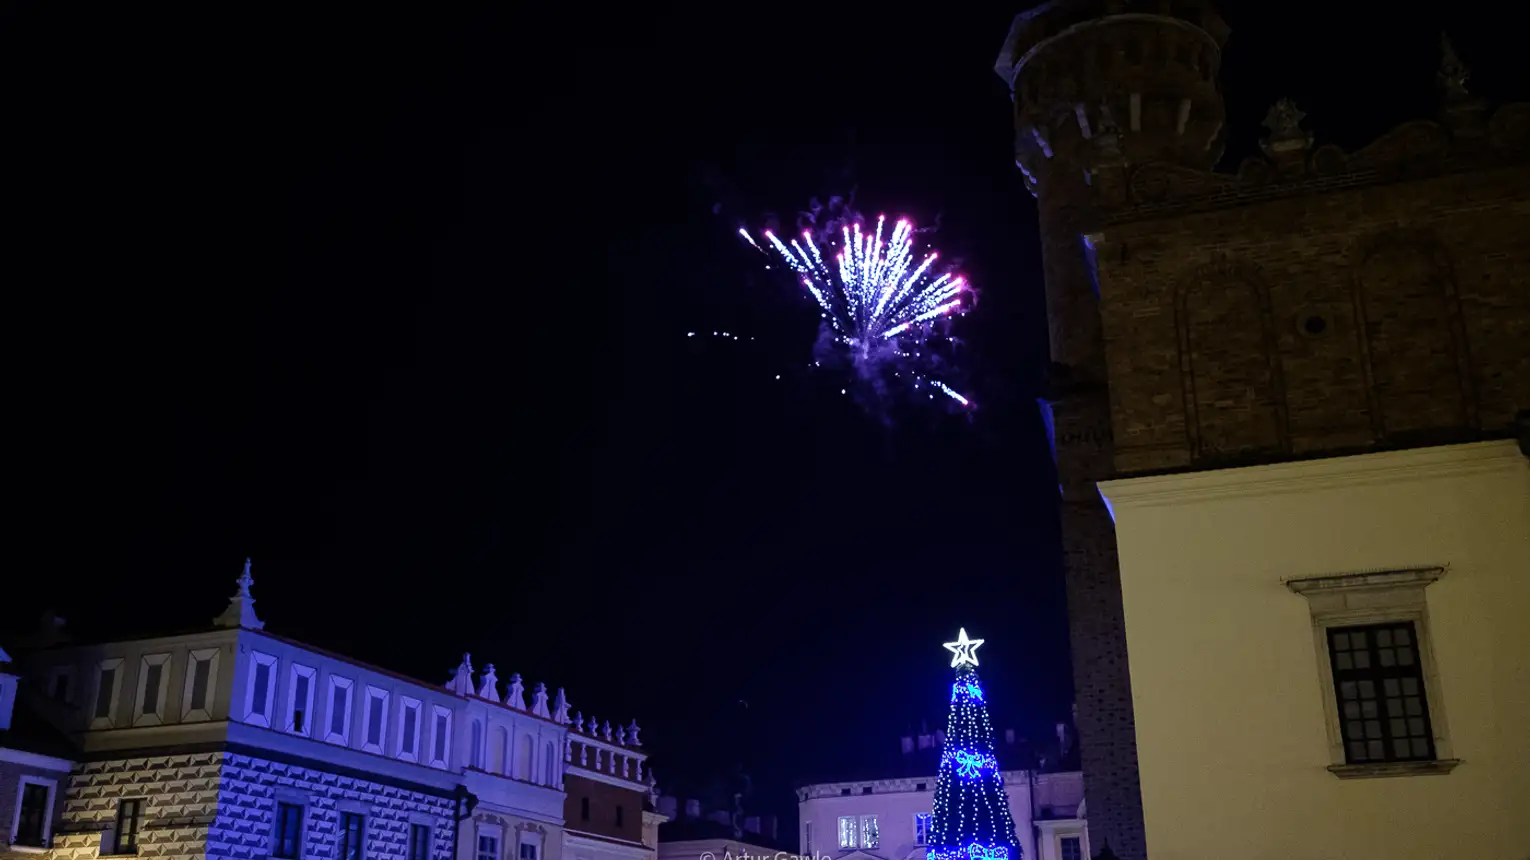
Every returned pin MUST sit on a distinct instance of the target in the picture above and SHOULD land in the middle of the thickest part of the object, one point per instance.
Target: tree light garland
(971, 818)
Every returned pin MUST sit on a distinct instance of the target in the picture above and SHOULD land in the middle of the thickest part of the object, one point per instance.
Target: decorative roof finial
(514, 698)
(1287, 142)
(241, 607)
(489, 684)
(1453, 73)
(560, 708)
(632, 734)
(462, 679)
(605, 731)
(539, 701)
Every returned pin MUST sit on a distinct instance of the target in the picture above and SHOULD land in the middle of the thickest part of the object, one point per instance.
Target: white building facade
(1329, 656)
(235, 742)
(889, 819)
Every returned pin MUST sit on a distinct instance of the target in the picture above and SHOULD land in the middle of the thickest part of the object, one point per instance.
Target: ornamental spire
(241, 607)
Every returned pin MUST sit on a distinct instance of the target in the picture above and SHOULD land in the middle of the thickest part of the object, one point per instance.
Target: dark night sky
(394, 301)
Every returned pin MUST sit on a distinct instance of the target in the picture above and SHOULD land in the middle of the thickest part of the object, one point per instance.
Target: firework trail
(879, 298)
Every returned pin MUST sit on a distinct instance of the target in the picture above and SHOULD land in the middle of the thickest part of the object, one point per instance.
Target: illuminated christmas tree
(971, 816)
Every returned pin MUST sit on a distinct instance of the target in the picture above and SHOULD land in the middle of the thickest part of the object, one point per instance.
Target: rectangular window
(32, 818)
(260, 690)
(409, 737)
(289, 831)
(149, 696)
(921, 828)
(338, 722)
(618, 815)
(807, 837)
(847, 826)
(584, 809)
(528, 851)
(62, 683)
(129, 814)
(440, 737)
(440, 753)
(374, 720)
(1380, 688)
(352, 832)
(419, 842)
(869, 836)
(302, 690)
(200, 685)
(105, 688)
(1071, 848)
(488, 847)
(151, 683)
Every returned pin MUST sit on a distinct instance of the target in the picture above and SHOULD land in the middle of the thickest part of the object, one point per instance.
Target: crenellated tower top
(1100, 83)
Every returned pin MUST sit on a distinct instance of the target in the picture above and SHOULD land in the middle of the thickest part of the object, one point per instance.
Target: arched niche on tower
(1405, 295)
(1228, 365)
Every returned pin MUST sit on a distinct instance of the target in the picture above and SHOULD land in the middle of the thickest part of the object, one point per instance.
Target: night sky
(395, 302)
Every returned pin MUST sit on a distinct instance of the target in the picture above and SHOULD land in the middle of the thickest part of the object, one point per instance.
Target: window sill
(19, 848)
(1379, 770)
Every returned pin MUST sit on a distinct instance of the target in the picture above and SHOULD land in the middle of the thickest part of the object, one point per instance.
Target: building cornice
(579, 737)
(902, 785)
(37, 760)
(579, 838)
(607, 778)
(1382, 467)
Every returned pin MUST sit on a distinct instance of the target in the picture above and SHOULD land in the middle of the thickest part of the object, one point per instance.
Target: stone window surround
(1375, 597)
(481, 829)
(336, 684)
(261, 717)
(115, 665)
(409, 745)
(22, 781)
(295, 671)
(296, 798)
(151, 713)
(200, 655)
(369, 693)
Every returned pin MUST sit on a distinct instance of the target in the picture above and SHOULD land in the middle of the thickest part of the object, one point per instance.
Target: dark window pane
(1379, 673)
(351, 835)
(151, 679)
(337, 706)
(440, 737)
(33, 814)
(374, 720)
(104, 694)
(128, 814)
(200, 672)
(262, 688)
(410, 715)
(289, 830)
(419, 842)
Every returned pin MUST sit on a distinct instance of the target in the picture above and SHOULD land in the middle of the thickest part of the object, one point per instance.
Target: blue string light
(971, 819)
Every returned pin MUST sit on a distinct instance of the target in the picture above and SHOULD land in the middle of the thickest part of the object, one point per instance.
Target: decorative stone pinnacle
(632, 734)
(1285, 121)
(1453, 73)
(241, 607)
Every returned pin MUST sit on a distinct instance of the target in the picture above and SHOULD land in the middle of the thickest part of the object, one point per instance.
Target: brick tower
(1099, 86)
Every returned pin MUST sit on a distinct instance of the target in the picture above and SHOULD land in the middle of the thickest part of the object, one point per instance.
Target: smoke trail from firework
(878, 298)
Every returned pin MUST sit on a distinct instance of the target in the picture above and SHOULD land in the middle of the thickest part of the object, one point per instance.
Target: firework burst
(879, 298)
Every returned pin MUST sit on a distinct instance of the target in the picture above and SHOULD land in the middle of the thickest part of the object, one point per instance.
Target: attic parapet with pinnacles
(585, 746)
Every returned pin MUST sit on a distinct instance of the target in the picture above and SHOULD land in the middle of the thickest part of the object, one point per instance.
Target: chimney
(1009, 736)
(693, 808)
(667, 806)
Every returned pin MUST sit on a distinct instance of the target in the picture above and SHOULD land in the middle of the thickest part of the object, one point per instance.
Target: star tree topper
(965, 649)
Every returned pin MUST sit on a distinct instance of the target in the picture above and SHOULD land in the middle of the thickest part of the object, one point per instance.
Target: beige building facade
(1332, 657)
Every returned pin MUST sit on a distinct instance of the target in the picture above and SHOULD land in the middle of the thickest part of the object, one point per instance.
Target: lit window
(869, 836)
(847, 831)
(129, 814)
(921, 828)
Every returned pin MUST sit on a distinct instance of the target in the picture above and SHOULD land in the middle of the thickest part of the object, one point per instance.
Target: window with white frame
(1377, 672)
(32, 820)
(201, 685)
(530, 847)
(260, 690)
(301, 681)
(61, 684)
(870, 837)
(921, 828)
(409, 728)
(376, 729)
(337, 722)
(440, 736)
(103, 708)
(153, 681)
(847, 831)
(489, 836)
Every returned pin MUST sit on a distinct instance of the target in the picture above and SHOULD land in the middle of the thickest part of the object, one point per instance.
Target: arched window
(475, 755)
(523, 758)
(550, 766)
(499, 753)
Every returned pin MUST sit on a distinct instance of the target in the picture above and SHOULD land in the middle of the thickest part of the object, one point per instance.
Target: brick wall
(603, 798)
(220, 804)
(10, 777)
(1348, 315)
